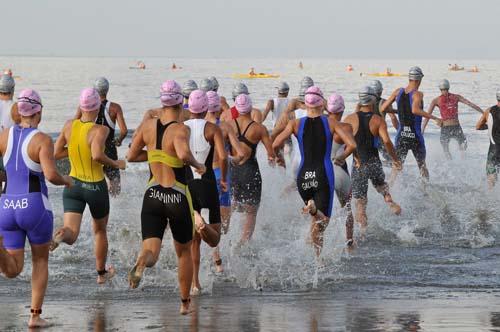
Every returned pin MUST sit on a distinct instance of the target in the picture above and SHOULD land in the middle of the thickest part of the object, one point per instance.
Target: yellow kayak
(385, 74)
(260, 75)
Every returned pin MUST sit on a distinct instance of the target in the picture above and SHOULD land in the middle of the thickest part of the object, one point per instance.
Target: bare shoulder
(100, 129)
(349, 119)
(42, 138)
(115, 107)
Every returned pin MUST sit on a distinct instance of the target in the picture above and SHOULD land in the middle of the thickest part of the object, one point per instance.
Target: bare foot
(195, 291)
(110, 273)
(218, 266)
(310, 208)
(135, 276)
(58, 238)
(395, 208)
(37, 322)
(185, 307)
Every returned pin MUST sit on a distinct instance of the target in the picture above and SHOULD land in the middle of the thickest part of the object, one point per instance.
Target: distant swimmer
(474, 69)
(410, 103)
(141, 65)
(335, 108)
(8, 108)
(349, 68)
(491, 120)
(174, 66)
(315, 179)
(83, 142)
(388, 71)
(379, 88)
(252, 72)
(167, 201)
(448, 107)
(232, 113)
(206, 142)
(26, 211)
(368, 127)
(110, 114)
(455, 67)
(301, 66)
(246, 180)
(277, 105)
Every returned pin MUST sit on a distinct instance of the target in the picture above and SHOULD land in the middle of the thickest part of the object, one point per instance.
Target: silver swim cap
(306, 82)
(367, 96)
(415, 74)
(444, 85)
(283, 87)
(102, 86)
(189, 87)
(377, 87)
(215, 83)
(238, 89)
(206, 85)
(7, 84)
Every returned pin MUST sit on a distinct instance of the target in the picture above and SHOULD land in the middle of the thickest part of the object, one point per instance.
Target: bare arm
(386, 139)
(266, 140)
(389, 101)
(279, 142)
(97, 148)
(346, 136)
(432, 106)
(60, 149)
(120, 119)
(136, 152)
(394, 120)
(417, 110)
(470, 104)
(221, 153)
(482, 124)
(48, 163)
(281, 124)
(240, 155)
(210, 234)
(269, 107)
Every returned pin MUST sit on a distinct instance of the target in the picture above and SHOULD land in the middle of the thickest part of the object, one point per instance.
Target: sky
(429, 29)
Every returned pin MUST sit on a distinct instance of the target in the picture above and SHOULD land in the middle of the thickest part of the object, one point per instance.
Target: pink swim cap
(213, 101)
(198, 102)
(89, 100)
(243, 104)
(29, 102)
(171, 93)
(335, 104)
(314, 97)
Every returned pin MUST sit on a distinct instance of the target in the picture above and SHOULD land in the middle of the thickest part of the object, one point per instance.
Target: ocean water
(437, 264)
